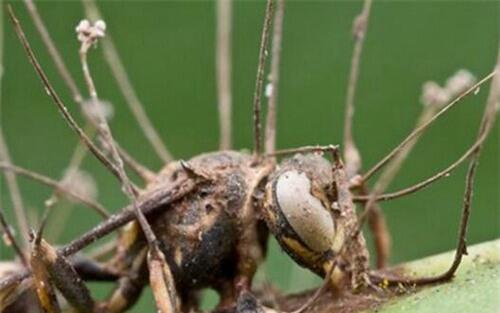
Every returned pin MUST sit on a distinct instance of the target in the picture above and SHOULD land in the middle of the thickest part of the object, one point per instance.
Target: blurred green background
(168, 49)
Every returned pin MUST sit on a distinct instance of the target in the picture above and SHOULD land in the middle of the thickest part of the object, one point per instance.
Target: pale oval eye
(304, 212)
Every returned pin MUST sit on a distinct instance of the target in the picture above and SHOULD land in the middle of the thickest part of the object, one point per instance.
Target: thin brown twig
(223, 65)
(416, 132)
(270, 137)
(10, 178)
(60, 188)
(351, 153)
(113, 59)
(55, 97)
(260, 78)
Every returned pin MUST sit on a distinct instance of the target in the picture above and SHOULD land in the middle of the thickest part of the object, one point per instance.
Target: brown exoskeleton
(205, 222)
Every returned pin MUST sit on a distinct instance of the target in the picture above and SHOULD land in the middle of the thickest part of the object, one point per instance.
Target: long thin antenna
(351, 153)
(55, 97)
(120, 74)
(10, 178)
(270, 139)
(223, 65)
(260, 78)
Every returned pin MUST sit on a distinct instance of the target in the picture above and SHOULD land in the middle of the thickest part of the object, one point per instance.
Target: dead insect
(205, 222)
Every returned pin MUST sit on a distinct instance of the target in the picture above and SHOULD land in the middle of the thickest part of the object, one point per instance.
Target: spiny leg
(375, 218)
(487, 123)
(484, 131)
(416, 132)
(398, 154)
(428, 181)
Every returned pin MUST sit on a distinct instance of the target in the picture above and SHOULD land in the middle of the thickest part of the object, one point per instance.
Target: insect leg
(49, 268)
(487, 123)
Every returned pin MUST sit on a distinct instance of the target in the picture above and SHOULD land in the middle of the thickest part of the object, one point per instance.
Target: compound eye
(304, 212)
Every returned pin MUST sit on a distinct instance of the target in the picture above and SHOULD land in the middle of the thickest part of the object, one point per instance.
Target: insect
(203, 222)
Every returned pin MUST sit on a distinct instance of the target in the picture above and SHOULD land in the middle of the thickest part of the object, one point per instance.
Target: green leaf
(476, 287)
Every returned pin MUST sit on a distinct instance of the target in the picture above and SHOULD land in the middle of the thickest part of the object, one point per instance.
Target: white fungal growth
(433, 94)
(80, 182)
(460, 82)
(269, 90)
(88, 33)
(91, 110)
(304, 212)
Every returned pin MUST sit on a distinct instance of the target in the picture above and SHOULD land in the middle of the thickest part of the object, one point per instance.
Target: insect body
(204, 223)
(216, 235)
